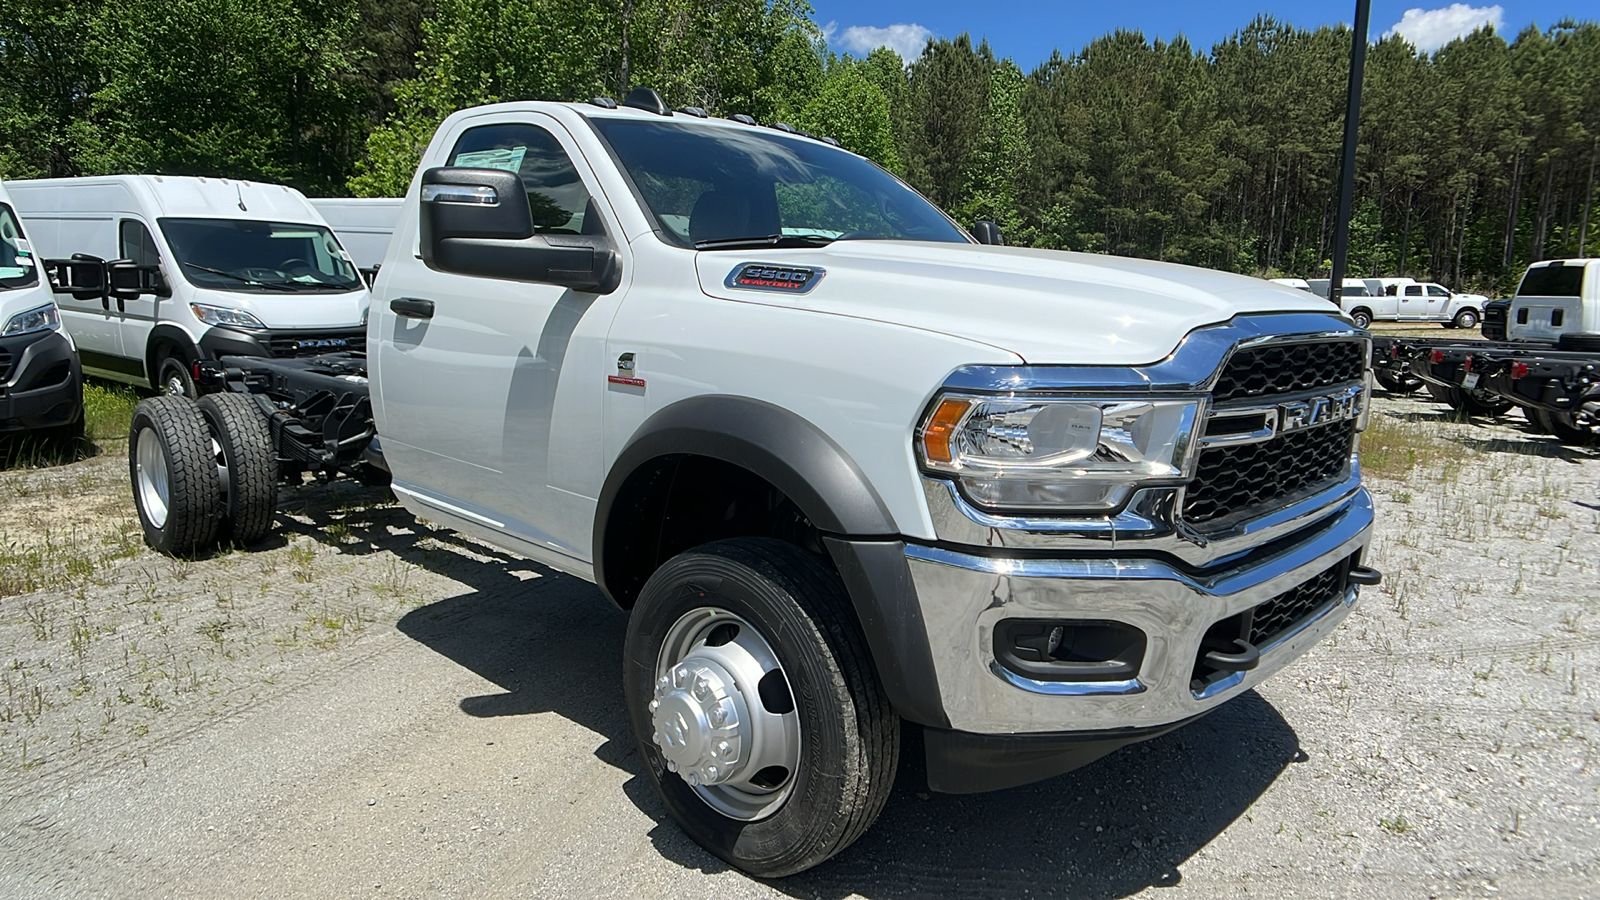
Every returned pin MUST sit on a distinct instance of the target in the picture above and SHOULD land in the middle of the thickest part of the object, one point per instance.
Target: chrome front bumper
(963, 596)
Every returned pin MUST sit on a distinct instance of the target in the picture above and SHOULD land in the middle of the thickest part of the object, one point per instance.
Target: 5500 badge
(755, 276)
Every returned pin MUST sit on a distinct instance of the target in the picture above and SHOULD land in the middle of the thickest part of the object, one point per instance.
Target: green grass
(1392, 448)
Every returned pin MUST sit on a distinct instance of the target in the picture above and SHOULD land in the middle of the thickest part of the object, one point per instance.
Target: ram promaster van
(40, 383)
(190, 269)
(363, 225)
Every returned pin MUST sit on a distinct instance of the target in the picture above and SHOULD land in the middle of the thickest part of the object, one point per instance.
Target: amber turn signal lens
(941, 428)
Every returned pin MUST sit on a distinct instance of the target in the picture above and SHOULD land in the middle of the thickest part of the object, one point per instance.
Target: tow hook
(1365, 576)
(1244, 658)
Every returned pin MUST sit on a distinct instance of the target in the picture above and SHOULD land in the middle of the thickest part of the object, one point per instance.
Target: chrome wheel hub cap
(723, 716)
(151, 462)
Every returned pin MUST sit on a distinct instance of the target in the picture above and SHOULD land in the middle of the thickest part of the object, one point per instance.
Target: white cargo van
(41, 386)
(1556, 298)
(195, 268)
(364, 226)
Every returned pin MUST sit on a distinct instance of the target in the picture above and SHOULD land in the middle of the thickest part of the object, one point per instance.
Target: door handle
(411, 308)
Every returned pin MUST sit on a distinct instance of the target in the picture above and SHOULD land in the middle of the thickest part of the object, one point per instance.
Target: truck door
(137, 317)
(1413, 304)
(493, 403)
(1438, 303)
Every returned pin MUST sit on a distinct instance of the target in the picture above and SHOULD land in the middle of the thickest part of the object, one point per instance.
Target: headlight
(43, 318)
(221, 315)
(1022, 452)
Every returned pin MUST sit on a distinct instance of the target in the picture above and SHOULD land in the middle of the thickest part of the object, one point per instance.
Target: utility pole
(1352, 131)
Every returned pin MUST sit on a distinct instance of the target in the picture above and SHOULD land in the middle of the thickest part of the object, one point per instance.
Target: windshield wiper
(770, 240)
(276, 285)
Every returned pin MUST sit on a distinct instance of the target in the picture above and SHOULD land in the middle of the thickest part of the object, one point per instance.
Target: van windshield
(251, 255)
(17, 266)
(720, 188)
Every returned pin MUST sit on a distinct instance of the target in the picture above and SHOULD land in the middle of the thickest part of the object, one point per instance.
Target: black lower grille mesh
(5, 365)
(1288, 609)
(1231, 480)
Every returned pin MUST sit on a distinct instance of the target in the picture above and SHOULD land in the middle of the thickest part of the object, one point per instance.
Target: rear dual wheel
(201, 471)
(755, 707)
(1564, 425)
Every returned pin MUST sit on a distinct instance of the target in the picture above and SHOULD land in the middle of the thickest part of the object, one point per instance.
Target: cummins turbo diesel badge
(769, 277)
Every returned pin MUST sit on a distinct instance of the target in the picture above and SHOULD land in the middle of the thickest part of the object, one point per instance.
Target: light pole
(1352, 130)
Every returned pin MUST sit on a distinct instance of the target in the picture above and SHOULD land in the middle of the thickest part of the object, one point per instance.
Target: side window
(1436, 291)
(1413, 290)
(559, 200)
(134, 242)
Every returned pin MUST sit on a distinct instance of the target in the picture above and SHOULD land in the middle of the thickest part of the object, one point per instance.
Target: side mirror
(479, 222)
(988, 233)
(126, 280)
(82, 276)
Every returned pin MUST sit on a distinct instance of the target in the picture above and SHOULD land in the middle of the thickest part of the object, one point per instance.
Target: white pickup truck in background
(851, 470)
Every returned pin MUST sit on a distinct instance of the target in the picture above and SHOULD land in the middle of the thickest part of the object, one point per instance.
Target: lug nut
(656, 738)
(702, 689)
(662, 684)
(723, 749)
(672, 766)
(711, 774)
(694, 779)
(655, 705)
(680, 676)
(718, 715)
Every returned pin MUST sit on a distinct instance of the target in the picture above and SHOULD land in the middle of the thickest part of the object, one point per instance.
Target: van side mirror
(82, 276)
(127, 280)
(479, 222)
(988, 233)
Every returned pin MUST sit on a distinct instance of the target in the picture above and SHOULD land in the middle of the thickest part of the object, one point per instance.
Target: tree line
(1474, 159)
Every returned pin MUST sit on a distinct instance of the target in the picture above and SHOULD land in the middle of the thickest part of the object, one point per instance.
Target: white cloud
(906, 39)
(1430, 29)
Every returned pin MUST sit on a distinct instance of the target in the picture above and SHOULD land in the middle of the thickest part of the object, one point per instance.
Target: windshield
(251, 255)
(717, 187)
(17, 266)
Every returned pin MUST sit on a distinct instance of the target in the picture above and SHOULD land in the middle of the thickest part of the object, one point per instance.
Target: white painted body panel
(859, 357)
(82, 215)
(365, 225)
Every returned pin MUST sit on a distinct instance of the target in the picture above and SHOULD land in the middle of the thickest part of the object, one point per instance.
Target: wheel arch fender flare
(787, 450)
(166, 333)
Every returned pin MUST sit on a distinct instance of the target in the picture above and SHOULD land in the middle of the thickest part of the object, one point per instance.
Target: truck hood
(290, 311)
(1045, 306)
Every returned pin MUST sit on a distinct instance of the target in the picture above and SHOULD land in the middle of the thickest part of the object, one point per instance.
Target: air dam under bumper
(964, 595)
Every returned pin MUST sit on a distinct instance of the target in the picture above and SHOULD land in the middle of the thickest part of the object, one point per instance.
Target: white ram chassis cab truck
(850, 471)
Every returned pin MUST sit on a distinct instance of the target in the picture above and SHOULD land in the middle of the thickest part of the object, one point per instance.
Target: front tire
(1467, 318)
(173, 378)
(174, 475)
(1362, 318)
(247, 468)
(696, 640)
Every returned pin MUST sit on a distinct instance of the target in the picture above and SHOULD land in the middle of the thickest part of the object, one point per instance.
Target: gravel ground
(369, 707)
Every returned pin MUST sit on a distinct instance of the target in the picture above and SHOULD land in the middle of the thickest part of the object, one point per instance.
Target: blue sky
(1027, 32)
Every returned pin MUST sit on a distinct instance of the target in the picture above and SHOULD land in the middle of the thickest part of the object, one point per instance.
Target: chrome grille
(1291, 607)
(1286, 368)
(1242, 477)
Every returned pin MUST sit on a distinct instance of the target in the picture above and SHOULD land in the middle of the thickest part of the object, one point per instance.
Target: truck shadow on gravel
(552, 643)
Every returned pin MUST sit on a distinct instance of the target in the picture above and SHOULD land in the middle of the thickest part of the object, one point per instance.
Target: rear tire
(1565, 427)
(1362, 318)
(174, 475)
(848, 737)
(247, 466)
